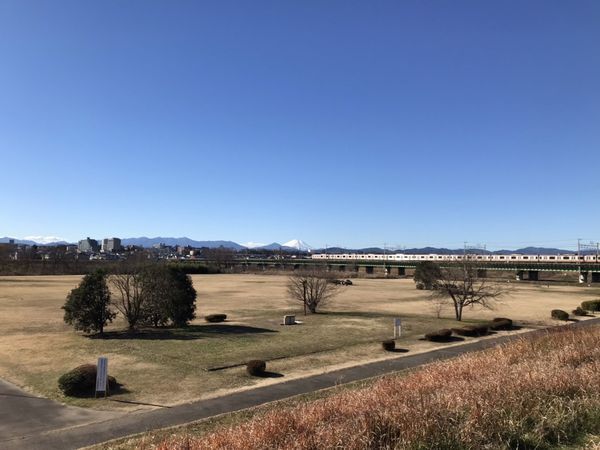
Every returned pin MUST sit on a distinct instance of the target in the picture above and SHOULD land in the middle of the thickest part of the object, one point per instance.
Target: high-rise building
(111, 245)
(88, 245)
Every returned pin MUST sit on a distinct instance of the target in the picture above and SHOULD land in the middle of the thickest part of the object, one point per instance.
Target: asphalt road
(28, 422)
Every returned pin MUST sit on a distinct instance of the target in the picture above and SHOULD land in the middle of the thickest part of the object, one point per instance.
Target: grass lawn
(166, 367)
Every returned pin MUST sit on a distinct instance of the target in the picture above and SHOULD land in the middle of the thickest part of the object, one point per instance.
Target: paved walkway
(36, 423)
(23, 414)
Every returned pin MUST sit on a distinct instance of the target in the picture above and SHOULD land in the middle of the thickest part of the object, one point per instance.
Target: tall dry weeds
(532, 393)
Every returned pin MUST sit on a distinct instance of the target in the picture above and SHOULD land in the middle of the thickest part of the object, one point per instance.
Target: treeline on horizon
(84, 267)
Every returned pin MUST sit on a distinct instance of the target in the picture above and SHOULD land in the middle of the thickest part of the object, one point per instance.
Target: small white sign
(397, 328)
(102, 375)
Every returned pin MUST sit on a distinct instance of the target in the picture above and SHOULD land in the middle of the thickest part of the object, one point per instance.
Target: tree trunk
(459, 310)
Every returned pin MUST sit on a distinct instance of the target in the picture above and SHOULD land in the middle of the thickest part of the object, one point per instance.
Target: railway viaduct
(588, 272)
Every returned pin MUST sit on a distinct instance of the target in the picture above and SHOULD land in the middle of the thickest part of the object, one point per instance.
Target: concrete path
(47, 425)
(23, 414)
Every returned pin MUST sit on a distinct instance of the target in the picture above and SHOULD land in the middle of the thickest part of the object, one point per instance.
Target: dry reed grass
(533, 393)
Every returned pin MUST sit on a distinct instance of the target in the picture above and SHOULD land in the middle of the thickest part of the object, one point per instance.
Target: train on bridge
(400, 257)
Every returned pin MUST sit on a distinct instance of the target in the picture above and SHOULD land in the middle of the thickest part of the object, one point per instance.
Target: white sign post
(397, 328)
(102, 376)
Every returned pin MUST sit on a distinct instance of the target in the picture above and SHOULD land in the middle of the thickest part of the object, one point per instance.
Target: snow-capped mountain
(44, 239)
(254, 244)
(298, 245)
(34, 240)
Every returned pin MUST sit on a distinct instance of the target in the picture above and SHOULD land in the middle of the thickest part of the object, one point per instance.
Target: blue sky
(339, 122)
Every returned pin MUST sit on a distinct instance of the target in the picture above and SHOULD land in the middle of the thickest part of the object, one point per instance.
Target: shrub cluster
(499, 323)
(216, 318)
(579, 312)
(439, 336)
(591, 305)
(256, 367)
(559, 314)
(388, 345)
(81, 381)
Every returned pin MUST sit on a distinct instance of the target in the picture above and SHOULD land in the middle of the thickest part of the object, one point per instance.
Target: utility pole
(579, 261)
(384, 261)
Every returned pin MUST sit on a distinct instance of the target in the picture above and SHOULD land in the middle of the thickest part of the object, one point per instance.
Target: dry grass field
(166, 367)
(537, 392)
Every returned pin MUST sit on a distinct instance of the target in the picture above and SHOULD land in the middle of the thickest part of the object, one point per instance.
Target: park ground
(168, 367)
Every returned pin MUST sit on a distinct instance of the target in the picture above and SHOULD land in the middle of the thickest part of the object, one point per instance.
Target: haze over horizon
(339, 123)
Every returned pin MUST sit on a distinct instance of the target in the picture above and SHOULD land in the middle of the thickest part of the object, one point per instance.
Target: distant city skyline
(340, 123)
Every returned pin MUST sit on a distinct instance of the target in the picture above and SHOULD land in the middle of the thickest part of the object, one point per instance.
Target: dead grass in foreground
(537, 392)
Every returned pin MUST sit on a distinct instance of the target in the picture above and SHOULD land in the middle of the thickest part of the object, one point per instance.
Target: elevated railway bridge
(586, 272)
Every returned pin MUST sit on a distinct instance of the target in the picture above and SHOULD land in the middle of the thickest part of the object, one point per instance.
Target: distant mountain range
(183, 241)
(447, 251)
(39, 243)
(294, 245)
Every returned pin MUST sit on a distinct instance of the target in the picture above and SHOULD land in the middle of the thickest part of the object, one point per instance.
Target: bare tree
(438, 304)
(462, 285)
(312, 287)
(130, 297)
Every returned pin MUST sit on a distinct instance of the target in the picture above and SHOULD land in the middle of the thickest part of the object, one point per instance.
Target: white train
(562, 258)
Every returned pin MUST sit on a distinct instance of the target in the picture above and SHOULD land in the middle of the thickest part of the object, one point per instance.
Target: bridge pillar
(369, 270)
(519, 275)
(533, 275)
(401, 271)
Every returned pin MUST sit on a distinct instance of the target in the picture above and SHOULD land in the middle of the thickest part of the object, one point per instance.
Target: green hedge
(216, 318)
(439, 336)
(256, 367)
(388, 345)
(559, 314)
(591, 305)
(81, 381)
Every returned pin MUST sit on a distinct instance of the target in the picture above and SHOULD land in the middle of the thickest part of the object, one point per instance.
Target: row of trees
(459, 285)
(151, 295)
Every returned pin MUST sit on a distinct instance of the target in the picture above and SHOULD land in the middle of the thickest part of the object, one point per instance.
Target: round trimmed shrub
(420, 286)
(216, 318)
(591, 305)
(465, 331)
(579, 312)
(256, 367)
(501, 324)
(481, 330)
(471, 330)
(502, 319)
(388, 345)
(81, 381)
(439, 336)
(559, 314)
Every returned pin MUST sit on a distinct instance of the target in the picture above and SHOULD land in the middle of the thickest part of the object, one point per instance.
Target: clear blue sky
(337, 122)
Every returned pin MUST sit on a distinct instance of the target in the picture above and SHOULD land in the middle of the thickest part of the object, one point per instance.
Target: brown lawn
(170, 366)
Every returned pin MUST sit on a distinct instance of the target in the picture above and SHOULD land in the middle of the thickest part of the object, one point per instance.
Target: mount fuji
(298, 245)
